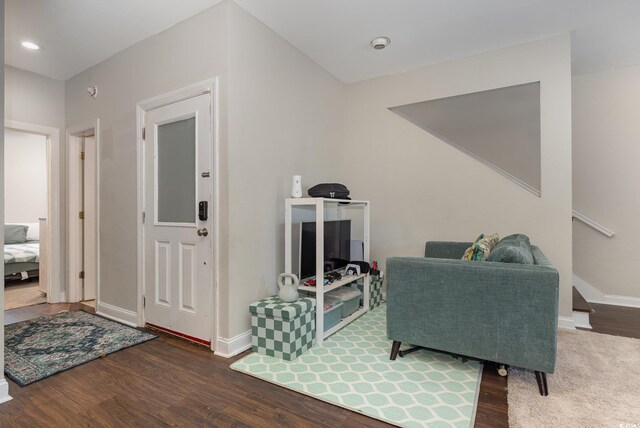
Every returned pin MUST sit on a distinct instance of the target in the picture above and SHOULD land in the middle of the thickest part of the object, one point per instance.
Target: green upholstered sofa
(500, 312)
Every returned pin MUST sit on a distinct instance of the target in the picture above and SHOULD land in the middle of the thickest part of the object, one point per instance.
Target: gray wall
(286, 117)
(35, 99)
(422, 189)
(606, 132)
(189, 52)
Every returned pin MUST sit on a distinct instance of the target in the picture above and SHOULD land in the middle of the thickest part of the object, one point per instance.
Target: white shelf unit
(322, 206)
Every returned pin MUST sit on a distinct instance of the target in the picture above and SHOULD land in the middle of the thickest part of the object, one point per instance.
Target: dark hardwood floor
(30, 312)
(172, 382)
(615, 320)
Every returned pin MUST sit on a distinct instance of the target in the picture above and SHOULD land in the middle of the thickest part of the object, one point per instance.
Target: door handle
(203, 232)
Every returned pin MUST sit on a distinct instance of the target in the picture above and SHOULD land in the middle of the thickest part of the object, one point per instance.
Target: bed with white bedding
(21, 251)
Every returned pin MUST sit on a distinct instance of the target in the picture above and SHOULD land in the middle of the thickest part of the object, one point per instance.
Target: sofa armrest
(445, 249)
(539, 257)
(499, 312)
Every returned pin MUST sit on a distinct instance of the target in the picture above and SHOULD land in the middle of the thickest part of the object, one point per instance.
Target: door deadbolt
(203, 232)
(203, 210)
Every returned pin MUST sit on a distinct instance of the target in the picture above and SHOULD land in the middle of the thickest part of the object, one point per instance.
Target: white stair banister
(594, 224)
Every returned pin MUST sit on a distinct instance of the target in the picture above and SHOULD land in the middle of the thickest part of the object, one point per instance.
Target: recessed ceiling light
(380, 42)
(30, 45)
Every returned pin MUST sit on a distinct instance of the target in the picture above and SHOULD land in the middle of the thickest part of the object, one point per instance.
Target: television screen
(337, 246)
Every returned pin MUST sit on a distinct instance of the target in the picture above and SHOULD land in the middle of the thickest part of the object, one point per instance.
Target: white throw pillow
(33, 233)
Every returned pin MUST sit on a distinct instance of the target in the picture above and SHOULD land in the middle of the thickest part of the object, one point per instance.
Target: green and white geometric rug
(352, 370)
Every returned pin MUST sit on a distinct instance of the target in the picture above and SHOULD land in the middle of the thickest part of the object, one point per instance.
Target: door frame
(74, 133)
(207, 87)
(55, 293)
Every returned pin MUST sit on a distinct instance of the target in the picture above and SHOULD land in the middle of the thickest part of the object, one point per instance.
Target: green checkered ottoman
(283, 330)
(375, 290)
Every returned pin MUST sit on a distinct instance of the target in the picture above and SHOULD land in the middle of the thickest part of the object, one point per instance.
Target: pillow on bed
(33, 233)
(15, 233)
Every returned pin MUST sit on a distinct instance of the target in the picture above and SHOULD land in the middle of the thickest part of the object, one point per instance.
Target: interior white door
(177, 236)
(89, 250)
(79, 219)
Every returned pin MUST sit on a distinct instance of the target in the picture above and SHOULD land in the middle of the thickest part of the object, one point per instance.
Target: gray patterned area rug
(38, 348)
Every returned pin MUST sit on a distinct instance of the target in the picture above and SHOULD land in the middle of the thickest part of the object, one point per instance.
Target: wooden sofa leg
(394, 349)
(541, 378)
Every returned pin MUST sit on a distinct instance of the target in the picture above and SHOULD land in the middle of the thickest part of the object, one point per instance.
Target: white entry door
(177, 218)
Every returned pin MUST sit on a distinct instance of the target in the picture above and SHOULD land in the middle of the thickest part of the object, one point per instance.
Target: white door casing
(178, 253)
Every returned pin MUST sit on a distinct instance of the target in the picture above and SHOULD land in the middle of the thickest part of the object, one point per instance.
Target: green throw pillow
(15, 233)
(513, 249)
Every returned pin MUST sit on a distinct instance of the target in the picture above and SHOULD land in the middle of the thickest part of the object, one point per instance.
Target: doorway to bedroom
(26, 267)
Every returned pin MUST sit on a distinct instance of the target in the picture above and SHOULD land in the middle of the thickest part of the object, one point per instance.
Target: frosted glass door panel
(176, 172)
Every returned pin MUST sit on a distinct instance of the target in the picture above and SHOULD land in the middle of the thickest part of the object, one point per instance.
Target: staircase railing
(592, 223)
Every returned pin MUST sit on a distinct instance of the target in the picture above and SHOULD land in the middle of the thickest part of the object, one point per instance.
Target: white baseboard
(614, 299)
(63, 297)
(115, 313)
(566, 322)
(581, 319)
(4, 391)
(593, 295)
(228, 348)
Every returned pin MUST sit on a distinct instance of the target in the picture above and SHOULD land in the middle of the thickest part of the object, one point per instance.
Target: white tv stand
(321, 205)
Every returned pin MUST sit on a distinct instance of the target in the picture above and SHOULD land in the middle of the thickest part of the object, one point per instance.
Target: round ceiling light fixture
(380, 42)
(31, 45)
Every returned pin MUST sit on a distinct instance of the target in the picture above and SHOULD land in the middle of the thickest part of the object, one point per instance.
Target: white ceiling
(336, 33)
(77, 34)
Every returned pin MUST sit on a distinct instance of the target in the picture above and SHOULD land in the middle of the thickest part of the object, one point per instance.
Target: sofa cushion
(15, 233)
(512, 249)
(481, 249)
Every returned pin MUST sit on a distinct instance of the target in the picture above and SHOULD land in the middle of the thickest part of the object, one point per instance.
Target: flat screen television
(337, 246)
